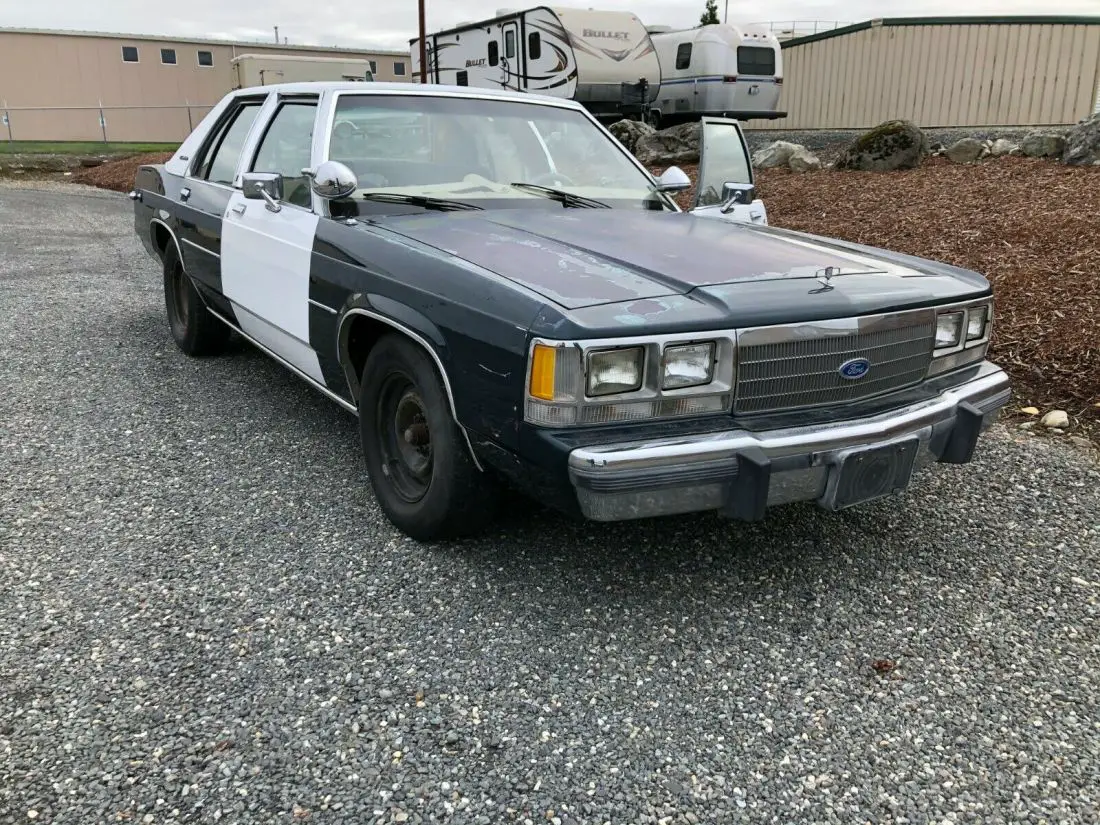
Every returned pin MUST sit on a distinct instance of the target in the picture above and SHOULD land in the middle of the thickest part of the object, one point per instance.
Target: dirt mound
(118, 174)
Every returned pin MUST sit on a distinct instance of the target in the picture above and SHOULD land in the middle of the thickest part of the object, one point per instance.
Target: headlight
(615, 371)
(976, 321)
(690, 365)
(949, 329)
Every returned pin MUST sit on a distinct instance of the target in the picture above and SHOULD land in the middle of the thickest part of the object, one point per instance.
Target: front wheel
(417, 458)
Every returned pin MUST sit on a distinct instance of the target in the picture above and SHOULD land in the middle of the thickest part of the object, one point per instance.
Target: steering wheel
(554, 179)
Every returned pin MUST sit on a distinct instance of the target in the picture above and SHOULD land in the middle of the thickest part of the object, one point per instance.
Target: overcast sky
(390, 23)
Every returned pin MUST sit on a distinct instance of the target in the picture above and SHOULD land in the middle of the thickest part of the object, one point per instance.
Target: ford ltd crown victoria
(508, 300)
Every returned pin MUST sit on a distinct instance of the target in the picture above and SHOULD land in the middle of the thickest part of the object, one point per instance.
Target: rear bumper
(742, 473)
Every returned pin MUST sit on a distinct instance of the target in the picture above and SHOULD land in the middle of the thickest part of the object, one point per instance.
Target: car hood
(584, 259)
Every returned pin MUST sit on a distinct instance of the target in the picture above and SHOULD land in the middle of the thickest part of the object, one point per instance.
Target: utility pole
(276, 35)
(726, 17)
(423, 46)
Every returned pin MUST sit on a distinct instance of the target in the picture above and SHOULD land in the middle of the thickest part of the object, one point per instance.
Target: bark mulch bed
(1031, 226)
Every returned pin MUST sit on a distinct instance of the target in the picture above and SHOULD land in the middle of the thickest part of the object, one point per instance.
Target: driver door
(727, 187)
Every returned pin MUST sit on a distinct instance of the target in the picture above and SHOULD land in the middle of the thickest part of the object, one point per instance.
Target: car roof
(374, 87)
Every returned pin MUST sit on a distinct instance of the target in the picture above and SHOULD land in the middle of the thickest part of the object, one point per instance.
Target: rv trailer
(718, 70)
(602, 59)
(266, 69)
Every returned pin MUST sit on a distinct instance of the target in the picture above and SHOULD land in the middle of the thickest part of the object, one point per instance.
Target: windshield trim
(536, 100)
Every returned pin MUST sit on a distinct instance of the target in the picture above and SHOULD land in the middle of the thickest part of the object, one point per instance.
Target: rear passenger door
(207, 188)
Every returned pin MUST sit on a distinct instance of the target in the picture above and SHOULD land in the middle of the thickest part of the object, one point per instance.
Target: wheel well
(362, 334)
(161, 238)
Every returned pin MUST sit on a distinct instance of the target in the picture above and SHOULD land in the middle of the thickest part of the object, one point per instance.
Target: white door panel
(265, 274)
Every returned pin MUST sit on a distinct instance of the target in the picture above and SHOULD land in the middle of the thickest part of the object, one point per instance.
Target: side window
(534, 46)
(219, 165)
(494, 52)
(462, 78)
(510, 43)
(683, 55)
(286, 148)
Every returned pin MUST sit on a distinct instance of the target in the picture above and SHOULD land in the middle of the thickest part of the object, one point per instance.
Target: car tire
(417, 457)
(193, 328)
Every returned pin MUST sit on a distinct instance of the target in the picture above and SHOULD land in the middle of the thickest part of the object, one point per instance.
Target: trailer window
(494, 52)
(462, 78)
(510, 43)
(534, 46)
(757, 60)
(683, 55)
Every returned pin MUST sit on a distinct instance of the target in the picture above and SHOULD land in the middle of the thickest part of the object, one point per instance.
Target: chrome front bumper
(742, 473)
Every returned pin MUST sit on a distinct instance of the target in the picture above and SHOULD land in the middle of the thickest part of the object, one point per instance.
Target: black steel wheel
(193, 328)
(417, 458)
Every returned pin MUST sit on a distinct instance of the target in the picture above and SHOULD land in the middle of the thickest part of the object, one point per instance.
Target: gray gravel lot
(205, 618)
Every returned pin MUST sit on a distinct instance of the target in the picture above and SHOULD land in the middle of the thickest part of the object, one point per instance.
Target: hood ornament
(825, 277)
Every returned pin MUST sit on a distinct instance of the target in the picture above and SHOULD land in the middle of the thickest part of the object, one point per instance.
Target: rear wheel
(194, 329)
(416, 455)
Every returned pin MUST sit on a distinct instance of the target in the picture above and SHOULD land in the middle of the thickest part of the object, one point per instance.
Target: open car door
(726, 189)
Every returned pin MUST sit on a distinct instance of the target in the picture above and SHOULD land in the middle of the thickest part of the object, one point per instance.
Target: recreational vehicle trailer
(718, 69)
(267, 69)
(602, 59)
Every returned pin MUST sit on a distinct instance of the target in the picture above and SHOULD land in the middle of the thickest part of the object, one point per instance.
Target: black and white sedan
(505, 297)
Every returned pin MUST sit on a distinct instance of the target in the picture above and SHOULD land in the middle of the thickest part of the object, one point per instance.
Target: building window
(206, 58)
(534, 46)
(129, 54)
(399, 68)
(374, 67)
(757, 60)
(168, 57)
(683, 55)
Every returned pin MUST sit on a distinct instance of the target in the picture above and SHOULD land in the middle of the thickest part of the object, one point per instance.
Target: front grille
(783, 368)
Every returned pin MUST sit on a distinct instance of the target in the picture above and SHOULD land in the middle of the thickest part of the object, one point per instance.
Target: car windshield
(491, 153)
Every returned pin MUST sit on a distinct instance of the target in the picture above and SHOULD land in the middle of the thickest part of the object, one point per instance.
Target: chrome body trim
(423, 342)
(172, 235)
(693, 473)
(194, 245)
(279, 359)
(325, 307)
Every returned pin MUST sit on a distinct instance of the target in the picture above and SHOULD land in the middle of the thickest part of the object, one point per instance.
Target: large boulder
(629, 132)
(1083, 143)
(1002, 147)
(775, 154)
(895, 144)
(967, 150)
(803, 160)
(677, 144)
(1043, 145)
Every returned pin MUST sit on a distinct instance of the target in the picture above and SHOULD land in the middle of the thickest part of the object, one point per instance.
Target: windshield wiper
(425, 201)
(566, 198)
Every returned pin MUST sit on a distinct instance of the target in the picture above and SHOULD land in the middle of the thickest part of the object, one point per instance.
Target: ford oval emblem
(856, 368)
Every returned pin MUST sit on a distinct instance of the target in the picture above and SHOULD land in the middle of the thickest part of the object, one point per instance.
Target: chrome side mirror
(332, 179)
(673, 179)
(265, 186)
(734, 194)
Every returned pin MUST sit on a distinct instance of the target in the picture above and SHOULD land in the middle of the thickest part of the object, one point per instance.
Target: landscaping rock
(967, 150)
(1043, 145)
(1002, 147)
(629, 132)
(803, 160)
(1083, 143)
(775, 154)
(678, 144)
(1056, 420)
(895, 144)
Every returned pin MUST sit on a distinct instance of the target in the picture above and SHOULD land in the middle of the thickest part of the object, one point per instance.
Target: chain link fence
(98, 123)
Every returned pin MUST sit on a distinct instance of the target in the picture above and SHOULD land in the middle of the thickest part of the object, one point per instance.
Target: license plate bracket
(864, 474)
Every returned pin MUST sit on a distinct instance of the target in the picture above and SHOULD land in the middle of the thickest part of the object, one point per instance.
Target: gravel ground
(205, 618)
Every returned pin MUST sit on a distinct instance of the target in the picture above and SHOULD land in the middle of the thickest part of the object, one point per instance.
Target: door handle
(185, 193)
(239, 208)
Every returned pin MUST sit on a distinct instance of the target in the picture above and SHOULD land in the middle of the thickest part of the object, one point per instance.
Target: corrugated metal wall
(942, 75)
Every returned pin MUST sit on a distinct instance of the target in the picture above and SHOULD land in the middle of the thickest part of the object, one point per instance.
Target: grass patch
(91, 147)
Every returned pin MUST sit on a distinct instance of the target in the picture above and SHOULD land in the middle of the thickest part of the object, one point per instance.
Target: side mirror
(332, 180)
(265, 186)
(734, 194)
(673, 179)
